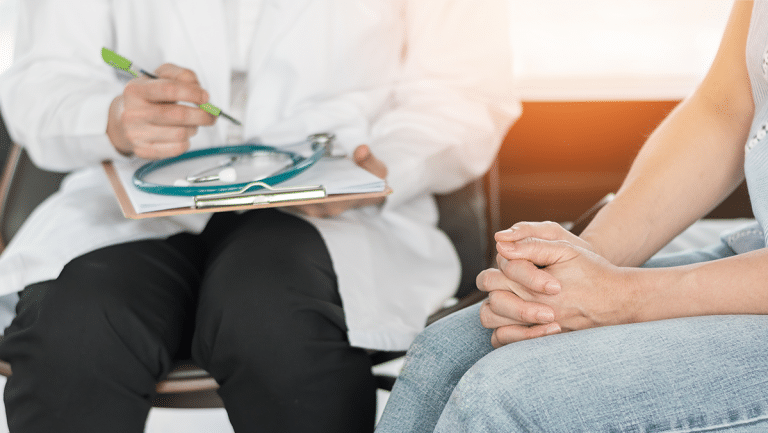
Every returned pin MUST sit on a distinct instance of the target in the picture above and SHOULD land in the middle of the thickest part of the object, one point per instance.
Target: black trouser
(253, 300)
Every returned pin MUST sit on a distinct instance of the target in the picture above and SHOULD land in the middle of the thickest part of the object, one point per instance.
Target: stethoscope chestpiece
(323, 139)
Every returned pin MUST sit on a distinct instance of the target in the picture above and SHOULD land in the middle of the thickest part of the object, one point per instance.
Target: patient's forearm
(735, 285)
(689, 165)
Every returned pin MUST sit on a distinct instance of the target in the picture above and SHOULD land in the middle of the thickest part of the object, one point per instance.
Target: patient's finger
(546, 230)
(493, 279)
(541, 252)
(514, 333)
(504, 308)
(528, 275)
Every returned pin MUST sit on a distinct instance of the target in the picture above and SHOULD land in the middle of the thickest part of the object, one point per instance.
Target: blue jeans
(683, 375)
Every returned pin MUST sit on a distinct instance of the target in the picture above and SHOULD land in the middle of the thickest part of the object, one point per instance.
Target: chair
(468, 216)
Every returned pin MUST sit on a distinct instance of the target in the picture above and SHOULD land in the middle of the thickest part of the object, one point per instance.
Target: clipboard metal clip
(268, 194)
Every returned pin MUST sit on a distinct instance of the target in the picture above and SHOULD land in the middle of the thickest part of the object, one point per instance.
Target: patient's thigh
(678, 374)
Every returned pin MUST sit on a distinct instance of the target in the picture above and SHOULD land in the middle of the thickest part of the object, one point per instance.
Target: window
(614, 49)
(601, 49)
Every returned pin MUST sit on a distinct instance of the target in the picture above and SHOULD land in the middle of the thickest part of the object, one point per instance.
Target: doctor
(277, 307)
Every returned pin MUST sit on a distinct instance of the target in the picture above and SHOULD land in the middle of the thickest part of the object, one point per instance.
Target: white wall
(8, 10)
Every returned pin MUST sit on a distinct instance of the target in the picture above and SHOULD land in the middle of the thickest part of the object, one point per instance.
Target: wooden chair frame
(6, 181)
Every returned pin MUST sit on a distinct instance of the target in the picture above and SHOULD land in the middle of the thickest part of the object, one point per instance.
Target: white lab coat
(435, 113)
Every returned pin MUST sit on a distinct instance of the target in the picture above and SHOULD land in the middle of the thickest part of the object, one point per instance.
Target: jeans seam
(744, 233)
(723, 426)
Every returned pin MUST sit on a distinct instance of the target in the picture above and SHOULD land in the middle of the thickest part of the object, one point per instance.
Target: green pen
(119, 62)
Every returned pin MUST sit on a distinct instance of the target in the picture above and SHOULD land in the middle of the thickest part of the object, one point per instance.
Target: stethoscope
(220, 178)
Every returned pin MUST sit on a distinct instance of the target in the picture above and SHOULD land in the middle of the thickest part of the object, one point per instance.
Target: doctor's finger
(159, 150)
(165, 90)
(332, 209)
(178, 115)
(161, 134)
(312, 210)
(504, 308)
(327, 210)
(365, 159)
(528, 275)
(514, 333)
(175, 72)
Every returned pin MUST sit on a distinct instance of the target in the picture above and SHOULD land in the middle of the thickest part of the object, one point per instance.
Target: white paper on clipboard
(337, 175)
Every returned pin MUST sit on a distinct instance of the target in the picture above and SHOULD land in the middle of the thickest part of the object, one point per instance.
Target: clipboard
(266, 198)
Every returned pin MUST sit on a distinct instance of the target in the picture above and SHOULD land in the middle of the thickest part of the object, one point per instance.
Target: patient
(680, 344)
(279, 308)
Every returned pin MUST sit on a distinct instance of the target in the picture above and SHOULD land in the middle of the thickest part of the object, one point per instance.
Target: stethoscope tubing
(298, 165)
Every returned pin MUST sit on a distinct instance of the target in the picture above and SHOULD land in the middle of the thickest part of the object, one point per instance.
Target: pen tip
(231, 119)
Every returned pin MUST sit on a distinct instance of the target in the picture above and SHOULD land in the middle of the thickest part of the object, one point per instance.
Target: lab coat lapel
(278, 17)
(205, 27)
(205, 23)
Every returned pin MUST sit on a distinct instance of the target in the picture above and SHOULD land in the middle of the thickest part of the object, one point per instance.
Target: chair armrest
(6, 181)
(584, 219)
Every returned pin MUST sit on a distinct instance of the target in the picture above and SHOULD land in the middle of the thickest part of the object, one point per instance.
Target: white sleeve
(454, 101)
(55, 97)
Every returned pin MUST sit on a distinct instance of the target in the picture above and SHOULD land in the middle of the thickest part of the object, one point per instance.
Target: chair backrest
(5, 142)
(23, 186)
(470, 216)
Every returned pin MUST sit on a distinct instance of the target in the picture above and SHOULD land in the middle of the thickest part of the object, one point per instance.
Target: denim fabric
(438, 358)
(682, 375)
(743, 239)
(712, 252)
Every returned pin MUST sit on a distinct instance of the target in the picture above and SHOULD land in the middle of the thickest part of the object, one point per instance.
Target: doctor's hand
(147, 121)
(592, 291)
(365, 159)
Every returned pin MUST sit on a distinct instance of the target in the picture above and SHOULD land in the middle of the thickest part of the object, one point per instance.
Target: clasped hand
(549, 281)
